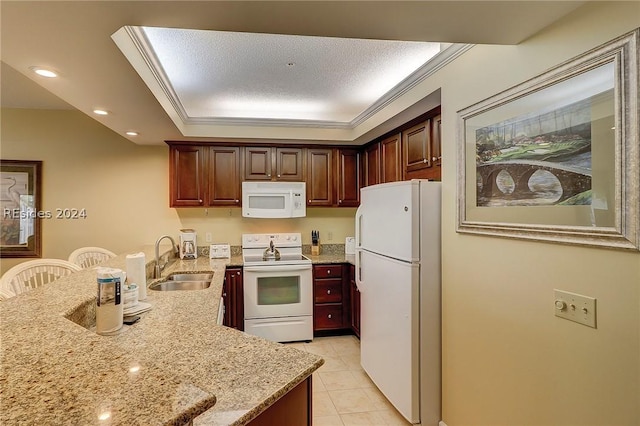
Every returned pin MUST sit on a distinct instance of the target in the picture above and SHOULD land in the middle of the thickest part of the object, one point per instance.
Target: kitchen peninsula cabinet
(233, 297)
(331, 310)
(319, 177)
(348, 178)
(187, 182)
(267, 163)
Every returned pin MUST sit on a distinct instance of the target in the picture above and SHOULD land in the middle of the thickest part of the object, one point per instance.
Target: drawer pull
(329, 316)
(328, 291)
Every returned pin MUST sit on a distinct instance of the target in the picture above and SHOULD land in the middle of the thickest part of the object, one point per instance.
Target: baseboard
(441, 423)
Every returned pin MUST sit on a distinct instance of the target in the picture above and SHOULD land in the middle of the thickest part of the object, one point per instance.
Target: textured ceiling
(75, 39)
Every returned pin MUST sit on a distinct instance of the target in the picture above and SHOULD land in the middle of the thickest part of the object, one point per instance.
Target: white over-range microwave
(274, 199)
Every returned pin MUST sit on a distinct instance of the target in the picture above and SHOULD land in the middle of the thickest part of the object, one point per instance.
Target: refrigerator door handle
(359, 269)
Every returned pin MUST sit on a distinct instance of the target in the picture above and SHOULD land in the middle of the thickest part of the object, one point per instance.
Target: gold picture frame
(557, 157)
(20, 201)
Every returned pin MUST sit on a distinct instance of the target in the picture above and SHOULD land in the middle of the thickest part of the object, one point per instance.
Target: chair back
(34, 273)
(86, 257)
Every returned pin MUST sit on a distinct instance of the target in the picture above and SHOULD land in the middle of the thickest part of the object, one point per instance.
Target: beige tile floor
(343, 394)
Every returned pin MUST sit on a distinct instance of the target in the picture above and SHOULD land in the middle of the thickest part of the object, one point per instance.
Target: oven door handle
(283, 268)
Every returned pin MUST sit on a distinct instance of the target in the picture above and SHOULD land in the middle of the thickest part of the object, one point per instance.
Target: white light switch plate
(575, 307)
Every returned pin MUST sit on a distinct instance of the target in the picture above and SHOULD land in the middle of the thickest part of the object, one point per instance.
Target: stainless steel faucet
(158, 269)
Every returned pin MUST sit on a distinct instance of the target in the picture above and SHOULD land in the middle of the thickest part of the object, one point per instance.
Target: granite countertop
(173, 366)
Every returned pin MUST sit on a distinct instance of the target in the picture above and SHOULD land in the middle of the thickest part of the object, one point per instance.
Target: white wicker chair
(34, 273)
(86, 257)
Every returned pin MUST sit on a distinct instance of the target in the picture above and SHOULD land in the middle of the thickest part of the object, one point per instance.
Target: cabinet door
(391, 159)
(319, 177)
(187, 175)
(348, 178)
(233, 296)
(257, 163)
(372, 165)
(355, 301)
(417, 146)
(289, 164)
(224, 176)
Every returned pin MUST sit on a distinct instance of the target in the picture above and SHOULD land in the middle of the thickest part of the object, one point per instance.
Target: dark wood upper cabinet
(289, 164)
(348, 178)
(319, 177)
(225, 187)
(187, 177)
(372, 164)
(257, 163)
(417, 146)
(267, 163)
(391, 158)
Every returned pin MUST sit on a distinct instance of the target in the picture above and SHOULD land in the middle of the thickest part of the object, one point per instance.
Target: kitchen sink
(189, 277)
(181, 281)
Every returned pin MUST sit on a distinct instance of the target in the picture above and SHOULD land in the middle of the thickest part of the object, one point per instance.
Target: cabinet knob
(328, 271)
(269, 175)
(199, 201)
(278, 175)
(329, 316)
(238, 273)
(424, 160)
(224, 294)
(309, 200)
(237, 201)
(339, 201)
(328, 291)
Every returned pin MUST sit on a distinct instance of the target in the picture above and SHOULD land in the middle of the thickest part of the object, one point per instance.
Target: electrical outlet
(207, 237)
(575, 307)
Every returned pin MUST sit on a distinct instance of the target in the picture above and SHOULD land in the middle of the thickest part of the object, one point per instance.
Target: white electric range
(278, 287)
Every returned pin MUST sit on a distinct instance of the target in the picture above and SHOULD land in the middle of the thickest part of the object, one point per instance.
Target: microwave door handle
(291, 203)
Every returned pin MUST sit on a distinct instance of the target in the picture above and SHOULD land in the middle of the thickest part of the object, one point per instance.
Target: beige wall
(507, 359)
(124, 189)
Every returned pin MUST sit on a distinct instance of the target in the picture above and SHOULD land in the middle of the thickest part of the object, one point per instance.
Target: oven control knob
(295, 238)
(288, 237)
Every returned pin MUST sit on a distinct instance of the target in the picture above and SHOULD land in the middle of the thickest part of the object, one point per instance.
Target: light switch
(575, 307)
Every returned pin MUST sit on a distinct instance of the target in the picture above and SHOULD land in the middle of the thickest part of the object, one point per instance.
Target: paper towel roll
(137, 273)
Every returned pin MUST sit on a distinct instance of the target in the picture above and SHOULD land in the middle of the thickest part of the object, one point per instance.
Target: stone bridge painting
(542, 158)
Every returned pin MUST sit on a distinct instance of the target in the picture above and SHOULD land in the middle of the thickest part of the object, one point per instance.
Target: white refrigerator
(398, 275)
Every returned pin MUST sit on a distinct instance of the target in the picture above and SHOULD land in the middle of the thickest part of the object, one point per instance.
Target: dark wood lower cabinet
(233, 297)
(293, 409)
(331, 308)
(355, 301)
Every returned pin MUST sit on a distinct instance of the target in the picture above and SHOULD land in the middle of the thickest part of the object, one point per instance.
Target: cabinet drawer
(327, 271)
(327, 317)
(328, 290)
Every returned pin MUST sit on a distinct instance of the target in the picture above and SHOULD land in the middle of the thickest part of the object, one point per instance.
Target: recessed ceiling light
(132, 133)
(43, 72)
(100, 112)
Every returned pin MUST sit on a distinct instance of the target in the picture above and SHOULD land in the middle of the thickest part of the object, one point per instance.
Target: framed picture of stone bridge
(557, 158)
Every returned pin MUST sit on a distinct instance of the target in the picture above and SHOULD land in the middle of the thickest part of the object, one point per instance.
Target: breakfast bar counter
(172, 367)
